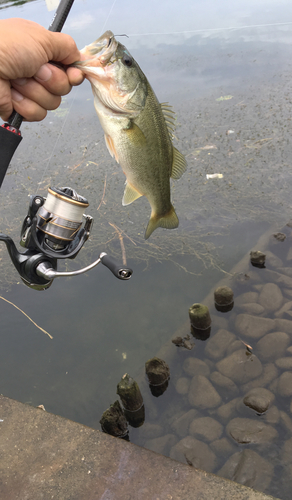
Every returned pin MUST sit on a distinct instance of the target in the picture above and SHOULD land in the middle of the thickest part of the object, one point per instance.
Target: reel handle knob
(119, 271)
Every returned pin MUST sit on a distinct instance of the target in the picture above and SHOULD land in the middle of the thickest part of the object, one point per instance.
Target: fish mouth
(97, 54)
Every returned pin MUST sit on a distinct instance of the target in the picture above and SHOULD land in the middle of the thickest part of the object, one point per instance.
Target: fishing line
(58, 138)
(103, 28)
(65, 121)
(230, 28)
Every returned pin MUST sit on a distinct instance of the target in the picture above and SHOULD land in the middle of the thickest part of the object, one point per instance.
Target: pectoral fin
(135, 135)
(130, 195)
(179, 164)
(111, 147)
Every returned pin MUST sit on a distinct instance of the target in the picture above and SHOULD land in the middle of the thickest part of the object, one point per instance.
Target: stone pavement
(44, 457)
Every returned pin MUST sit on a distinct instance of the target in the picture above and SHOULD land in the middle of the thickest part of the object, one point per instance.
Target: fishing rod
(53, 228)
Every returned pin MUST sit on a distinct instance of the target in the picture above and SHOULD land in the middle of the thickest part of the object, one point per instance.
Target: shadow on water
(231, 90)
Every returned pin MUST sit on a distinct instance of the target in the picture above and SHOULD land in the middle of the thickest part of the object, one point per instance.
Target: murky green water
(227, 72)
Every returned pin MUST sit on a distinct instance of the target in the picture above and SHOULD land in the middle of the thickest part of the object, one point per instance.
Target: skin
(28, 83)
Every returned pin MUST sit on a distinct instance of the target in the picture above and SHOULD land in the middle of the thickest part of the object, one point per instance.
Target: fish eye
(127, 60)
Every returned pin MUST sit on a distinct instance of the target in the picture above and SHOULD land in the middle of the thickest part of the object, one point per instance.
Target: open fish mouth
(99, 53)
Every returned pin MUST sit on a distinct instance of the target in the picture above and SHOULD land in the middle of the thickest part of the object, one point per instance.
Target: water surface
(226, 69)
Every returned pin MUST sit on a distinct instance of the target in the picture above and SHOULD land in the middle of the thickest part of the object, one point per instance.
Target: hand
(28, 83)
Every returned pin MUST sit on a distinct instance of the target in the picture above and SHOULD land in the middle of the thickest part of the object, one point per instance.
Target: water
(227, 72)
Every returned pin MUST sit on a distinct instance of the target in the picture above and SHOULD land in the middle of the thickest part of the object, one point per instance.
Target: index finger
(62, 48)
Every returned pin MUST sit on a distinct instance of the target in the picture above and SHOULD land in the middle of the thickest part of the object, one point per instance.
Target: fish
(138, 129)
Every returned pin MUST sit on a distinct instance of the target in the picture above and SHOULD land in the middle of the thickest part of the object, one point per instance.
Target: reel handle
(47, 272)
(123, 273)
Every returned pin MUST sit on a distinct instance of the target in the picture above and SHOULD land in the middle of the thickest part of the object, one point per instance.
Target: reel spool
(60, 217)
(53, 230)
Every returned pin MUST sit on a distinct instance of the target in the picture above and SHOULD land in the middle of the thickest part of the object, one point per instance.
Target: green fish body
(137, 128)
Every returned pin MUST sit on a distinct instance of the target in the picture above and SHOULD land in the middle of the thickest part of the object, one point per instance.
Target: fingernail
(44, 73)
(20, 81)
(16, 96)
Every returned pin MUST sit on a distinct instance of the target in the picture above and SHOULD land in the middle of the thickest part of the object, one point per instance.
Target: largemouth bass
(137, 128)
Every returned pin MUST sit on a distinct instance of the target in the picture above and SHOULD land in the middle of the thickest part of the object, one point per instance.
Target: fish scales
(137, 128)
(136, 157)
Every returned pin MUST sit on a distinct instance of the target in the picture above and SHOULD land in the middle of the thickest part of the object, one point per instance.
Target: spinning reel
(53, 230)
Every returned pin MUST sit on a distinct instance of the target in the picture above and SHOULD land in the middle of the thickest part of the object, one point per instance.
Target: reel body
(53, 230)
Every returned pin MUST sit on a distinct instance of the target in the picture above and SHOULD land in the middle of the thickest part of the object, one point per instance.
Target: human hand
(28, 83)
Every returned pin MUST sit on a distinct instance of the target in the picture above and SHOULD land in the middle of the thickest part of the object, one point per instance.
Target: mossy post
(200, 316)
(224, 299)
(257, 258)
(130, 394)
(157, 371)
(158, 375)
(113, 421)
(200, 321)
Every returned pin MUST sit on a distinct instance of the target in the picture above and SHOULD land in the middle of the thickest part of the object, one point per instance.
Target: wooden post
(113, 421)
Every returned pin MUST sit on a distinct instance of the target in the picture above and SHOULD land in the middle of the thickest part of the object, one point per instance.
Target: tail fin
(167, 221)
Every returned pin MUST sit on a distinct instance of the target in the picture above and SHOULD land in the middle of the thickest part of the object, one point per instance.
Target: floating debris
(41, 407)
(248, 347)
(224, 98)
(208, 146)
(214, 176)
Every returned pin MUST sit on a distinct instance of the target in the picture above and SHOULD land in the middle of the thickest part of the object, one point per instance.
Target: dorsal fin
(169, 116)
(179, 164)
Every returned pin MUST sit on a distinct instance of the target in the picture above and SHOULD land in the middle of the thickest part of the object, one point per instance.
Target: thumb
(6, 107)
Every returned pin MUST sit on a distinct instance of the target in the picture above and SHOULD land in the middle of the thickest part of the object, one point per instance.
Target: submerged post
(113, 421)
(130, 394)
(158, 375)
(200, 321)
(224, 299)
(132, 400)
(257, 258)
